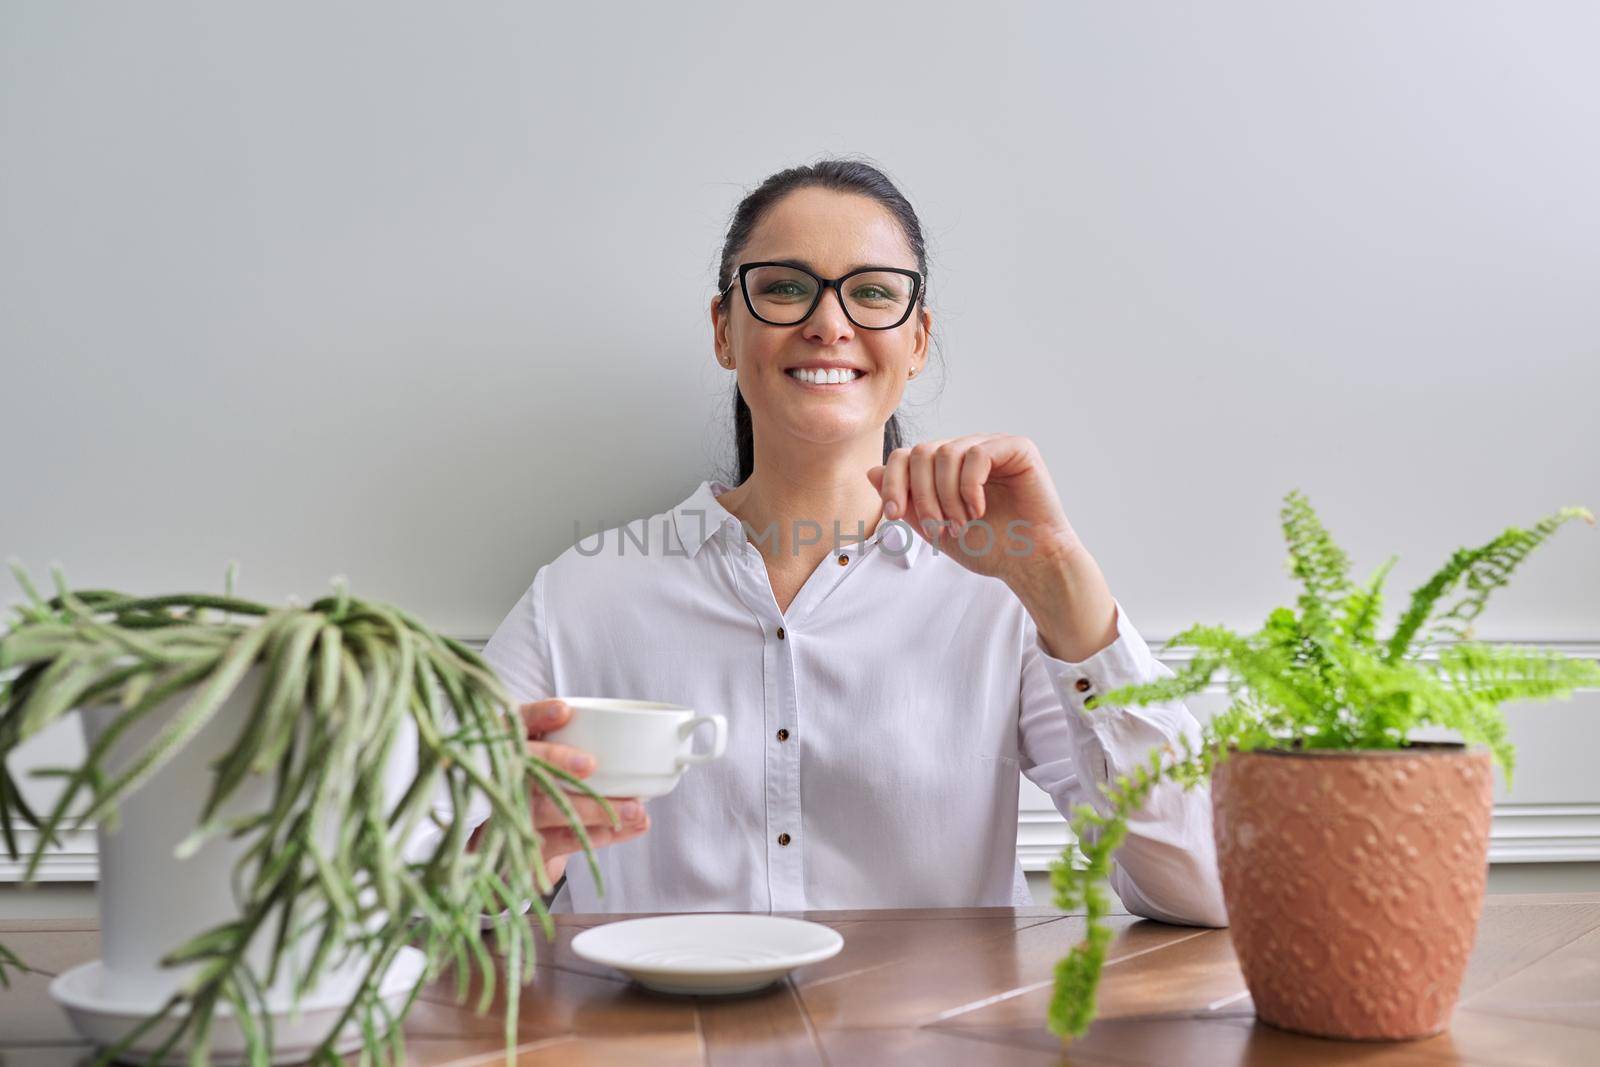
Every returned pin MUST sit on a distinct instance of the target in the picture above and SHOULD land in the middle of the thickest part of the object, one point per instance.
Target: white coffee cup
(640, 747)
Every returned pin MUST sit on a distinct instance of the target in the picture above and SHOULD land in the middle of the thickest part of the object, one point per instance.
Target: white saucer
(707, 953)
(105, 1022)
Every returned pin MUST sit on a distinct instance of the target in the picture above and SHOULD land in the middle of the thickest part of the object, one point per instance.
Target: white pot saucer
(707, 954)
(105, 1021)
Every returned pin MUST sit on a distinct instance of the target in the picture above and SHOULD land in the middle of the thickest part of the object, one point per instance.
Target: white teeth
(832, 376)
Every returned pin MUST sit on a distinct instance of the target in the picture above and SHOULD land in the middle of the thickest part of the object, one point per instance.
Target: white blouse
(875, 730)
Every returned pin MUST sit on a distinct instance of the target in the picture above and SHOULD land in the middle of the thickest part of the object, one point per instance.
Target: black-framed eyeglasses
(785, 294)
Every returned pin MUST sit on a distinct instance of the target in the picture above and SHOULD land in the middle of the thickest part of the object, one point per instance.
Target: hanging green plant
(1318, 678)
(338, 680)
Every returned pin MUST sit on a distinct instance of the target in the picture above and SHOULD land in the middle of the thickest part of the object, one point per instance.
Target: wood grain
(947, 986)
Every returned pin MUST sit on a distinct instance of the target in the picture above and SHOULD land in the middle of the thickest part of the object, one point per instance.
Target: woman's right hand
(539, 718)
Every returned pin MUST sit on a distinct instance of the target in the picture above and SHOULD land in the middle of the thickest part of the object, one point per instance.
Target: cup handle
(719, 739)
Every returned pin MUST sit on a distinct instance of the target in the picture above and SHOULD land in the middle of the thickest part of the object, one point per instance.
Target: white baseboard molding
(1520, 833)
(1545, 833)
(73, 861)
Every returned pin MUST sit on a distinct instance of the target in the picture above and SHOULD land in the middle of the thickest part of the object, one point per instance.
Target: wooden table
(958, 987)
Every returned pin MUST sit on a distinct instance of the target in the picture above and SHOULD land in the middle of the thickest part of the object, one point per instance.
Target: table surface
(960, 987)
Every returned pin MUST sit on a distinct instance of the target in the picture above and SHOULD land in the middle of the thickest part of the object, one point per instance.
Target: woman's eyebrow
(803, 265)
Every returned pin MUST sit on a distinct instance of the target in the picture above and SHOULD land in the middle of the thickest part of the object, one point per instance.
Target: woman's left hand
(993, 488)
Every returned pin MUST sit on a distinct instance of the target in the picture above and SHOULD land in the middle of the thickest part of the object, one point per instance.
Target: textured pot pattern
(1354, 882)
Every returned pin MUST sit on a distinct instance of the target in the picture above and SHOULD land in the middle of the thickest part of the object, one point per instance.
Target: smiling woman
(810, 219)
(883, 695)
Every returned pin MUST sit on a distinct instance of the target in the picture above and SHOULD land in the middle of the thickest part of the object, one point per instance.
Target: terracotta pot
(1354, 881)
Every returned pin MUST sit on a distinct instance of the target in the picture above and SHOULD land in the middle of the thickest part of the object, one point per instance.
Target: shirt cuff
(1125, 661)
(1107, 740)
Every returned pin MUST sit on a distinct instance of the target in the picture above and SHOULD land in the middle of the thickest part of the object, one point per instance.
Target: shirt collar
(701, 516)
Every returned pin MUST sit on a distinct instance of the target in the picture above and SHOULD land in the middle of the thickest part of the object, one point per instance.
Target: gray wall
(329, 288)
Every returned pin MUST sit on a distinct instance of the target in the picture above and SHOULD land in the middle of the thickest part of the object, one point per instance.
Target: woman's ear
(919, 351)
(719, 334)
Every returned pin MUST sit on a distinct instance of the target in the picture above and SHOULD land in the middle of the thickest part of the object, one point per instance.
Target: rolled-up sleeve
(1166, 867)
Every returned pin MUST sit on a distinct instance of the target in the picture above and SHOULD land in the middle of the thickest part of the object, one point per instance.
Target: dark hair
(840, 175)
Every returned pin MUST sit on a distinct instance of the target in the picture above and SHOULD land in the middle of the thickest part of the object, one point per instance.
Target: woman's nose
(828, 322)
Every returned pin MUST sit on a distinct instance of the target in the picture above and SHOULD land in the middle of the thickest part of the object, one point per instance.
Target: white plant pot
(151, 902)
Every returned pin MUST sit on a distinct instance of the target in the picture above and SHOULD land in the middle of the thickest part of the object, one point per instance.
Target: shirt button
(1083, 685)
(780, 633)
(783, 735)
(843, 559)
(783, 839)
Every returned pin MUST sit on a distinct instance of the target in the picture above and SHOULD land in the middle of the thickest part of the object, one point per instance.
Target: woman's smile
(824, 380)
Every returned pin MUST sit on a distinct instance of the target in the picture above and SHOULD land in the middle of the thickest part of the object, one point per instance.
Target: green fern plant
(1318, 677)
(339, 676)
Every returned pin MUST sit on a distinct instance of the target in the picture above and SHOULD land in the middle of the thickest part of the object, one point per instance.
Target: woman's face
(831, 233)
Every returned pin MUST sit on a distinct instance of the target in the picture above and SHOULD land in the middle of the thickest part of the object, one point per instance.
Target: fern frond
(1390, 701)
(1195, 676)
(1486, 676)
(1507, 672)
(1099, 834)
(1364, 607)
(1484, 570)
(1321, 565)
(1280, 666)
